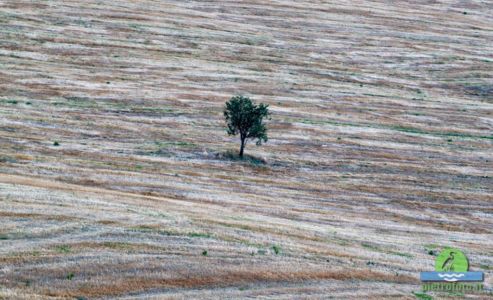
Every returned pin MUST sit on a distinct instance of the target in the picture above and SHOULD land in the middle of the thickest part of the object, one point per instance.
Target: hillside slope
(380, 147)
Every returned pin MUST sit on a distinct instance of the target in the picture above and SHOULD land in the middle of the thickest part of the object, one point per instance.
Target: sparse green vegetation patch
(370, 246)
(276, 249)
(7, 159)
(199, 235)
(403, 254)
(250, 159)
(63, 249)
(406, 129)
(422, 296)
(12, 101)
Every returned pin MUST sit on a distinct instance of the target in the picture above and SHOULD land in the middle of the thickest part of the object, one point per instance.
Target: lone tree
(243, 116)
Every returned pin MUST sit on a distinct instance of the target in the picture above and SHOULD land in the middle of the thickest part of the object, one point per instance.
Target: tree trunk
(242, 147)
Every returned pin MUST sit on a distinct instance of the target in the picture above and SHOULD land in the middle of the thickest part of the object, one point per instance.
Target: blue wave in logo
(451, 277)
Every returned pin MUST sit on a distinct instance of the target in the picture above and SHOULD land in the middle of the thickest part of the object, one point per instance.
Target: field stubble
(114, 174)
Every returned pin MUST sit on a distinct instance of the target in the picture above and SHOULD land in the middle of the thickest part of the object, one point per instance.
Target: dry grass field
(115, 180)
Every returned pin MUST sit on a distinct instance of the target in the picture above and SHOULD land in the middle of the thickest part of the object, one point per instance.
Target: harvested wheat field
(116, 174)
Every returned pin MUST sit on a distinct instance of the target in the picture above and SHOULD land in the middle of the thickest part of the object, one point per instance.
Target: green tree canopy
(245, 118)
